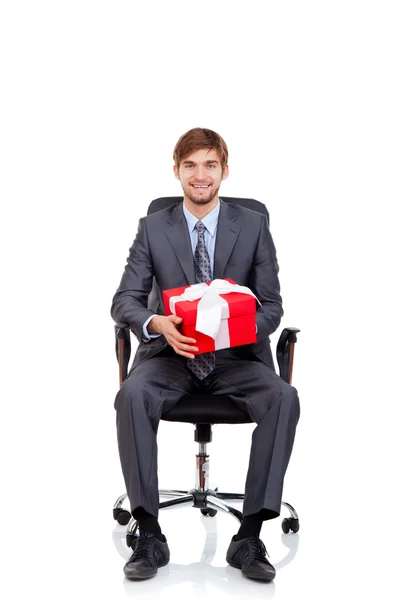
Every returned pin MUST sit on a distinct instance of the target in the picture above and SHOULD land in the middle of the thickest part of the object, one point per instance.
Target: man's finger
(186, 354)
(182, 353)
(183, 339)
(184, 347)
(175, 319)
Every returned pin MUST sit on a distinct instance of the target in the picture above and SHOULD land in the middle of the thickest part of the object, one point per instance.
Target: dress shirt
(210, 222)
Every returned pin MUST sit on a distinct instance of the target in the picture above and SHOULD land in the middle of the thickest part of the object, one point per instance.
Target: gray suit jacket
(161, 258)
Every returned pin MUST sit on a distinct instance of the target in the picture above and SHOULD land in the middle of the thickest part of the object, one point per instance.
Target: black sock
(250, 525)
(148, 523)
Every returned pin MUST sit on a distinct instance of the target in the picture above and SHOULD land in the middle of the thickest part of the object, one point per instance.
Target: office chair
(193, 409)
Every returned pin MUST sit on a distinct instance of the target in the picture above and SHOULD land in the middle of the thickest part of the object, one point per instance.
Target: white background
(315, 101)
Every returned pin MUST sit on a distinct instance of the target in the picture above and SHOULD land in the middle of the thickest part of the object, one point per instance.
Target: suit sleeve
(265, 284)
(129, 304)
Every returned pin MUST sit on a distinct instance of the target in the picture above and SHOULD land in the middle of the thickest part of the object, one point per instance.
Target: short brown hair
(199, 138)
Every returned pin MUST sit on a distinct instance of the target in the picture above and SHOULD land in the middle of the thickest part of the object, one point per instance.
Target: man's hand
(167, 326)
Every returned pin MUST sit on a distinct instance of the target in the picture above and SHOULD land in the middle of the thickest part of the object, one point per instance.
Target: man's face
(200, 174)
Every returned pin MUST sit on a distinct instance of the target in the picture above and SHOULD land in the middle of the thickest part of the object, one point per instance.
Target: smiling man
(200, 175)
(194, 241)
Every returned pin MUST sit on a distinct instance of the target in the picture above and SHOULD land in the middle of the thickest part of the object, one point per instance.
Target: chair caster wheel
(122, 516)
(290, 524)
(208, 512)
(131, 539)
(294, 525)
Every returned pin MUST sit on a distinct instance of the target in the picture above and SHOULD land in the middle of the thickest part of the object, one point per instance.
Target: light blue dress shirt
(210, 223)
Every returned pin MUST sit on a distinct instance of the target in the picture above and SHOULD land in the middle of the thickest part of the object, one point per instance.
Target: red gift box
(236, 330)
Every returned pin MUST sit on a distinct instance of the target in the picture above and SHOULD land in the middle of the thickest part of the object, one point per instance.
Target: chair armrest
(285, 351)
(122, 349)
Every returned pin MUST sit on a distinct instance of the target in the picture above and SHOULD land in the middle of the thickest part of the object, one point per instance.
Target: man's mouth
(200, 187)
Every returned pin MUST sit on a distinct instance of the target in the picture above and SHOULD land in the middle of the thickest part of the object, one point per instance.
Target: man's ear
(176, 173)
(225, 172)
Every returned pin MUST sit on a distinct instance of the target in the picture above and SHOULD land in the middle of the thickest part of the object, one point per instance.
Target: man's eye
(188, 166)
(212, 166)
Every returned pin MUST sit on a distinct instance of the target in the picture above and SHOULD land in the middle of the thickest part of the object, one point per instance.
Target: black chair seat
(206, 408)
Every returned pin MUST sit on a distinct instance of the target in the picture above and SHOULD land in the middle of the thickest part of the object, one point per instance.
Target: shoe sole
(138, 578)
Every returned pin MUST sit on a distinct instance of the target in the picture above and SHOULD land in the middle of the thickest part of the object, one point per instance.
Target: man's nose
(200, 173)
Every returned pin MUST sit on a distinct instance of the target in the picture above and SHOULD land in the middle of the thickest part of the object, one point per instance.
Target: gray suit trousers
(155, 385)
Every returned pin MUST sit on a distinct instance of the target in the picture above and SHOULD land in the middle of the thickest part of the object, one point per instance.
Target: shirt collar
(210, 221)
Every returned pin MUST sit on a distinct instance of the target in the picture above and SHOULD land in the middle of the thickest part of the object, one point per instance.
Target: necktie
(202, 364)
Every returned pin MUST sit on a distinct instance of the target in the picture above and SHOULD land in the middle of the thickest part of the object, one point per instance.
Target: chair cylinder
(203, 433)
(202, 472)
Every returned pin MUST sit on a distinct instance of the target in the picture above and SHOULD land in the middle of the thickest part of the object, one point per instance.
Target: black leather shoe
(249, 555)
(149, 554)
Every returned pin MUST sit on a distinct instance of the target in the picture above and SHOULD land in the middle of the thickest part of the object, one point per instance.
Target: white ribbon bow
(212, 308)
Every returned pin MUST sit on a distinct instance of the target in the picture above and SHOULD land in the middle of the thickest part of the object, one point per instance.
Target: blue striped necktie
(202, 364)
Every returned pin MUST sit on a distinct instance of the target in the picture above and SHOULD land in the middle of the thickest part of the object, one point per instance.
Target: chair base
(208, 501)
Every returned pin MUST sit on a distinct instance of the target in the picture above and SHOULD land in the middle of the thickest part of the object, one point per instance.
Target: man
(197, 240)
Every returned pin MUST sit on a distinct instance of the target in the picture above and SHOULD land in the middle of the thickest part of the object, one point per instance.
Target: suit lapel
(227, 234)
(179, 238)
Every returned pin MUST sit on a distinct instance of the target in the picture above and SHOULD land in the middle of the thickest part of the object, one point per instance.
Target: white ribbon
(212, 308)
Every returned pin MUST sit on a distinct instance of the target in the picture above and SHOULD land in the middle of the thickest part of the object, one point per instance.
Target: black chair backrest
(161, 203)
